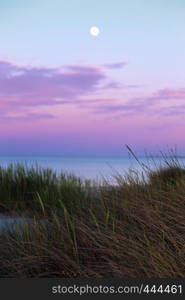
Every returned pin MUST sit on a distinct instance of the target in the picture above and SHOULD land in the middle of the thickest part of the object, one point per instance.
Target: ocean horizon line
(93, 156)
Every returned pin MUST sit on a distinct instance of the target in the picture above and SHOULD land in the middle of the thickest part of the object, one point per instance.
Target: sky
(66, 92)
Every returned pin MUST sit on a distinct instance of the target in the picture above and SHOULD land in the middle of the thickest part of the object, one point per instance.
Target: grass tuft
(133, 229)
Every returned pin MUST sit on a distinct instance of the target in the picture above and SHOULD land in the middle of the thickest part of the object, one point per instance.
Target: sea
(91, 167)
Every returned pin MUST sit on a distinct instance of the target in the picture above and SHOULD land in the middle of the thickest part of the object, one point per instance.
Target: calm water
(86, 167)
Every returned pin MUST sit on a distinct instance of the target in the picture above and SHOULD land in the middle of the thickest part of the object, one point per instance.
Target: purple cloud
(146, 105)
(118, 65)
(131, 107)
(37, 86)
(174, 110)
(84, 69)
(112, 85)
(25, 116)
(22, 87)
(143, 105)
(169, 94)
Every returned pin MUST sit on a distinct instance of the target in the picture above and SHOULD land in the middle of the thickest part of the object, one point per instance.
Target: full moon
(94, 31)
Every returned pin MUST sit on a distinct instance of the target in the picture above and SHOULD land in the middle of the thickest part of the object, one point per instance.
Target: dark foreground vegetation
(133, 229)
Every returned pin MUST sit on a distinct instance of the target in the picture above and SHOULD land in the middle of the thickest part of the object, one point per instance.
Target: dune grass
(23, 188)
(133, 229)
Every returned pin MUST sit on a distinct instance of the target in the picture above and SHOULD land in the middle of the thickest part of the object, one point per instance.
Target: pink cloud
(169, 94)
(36, 86)
(22, 86)
(118, 65)
(146, 105)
